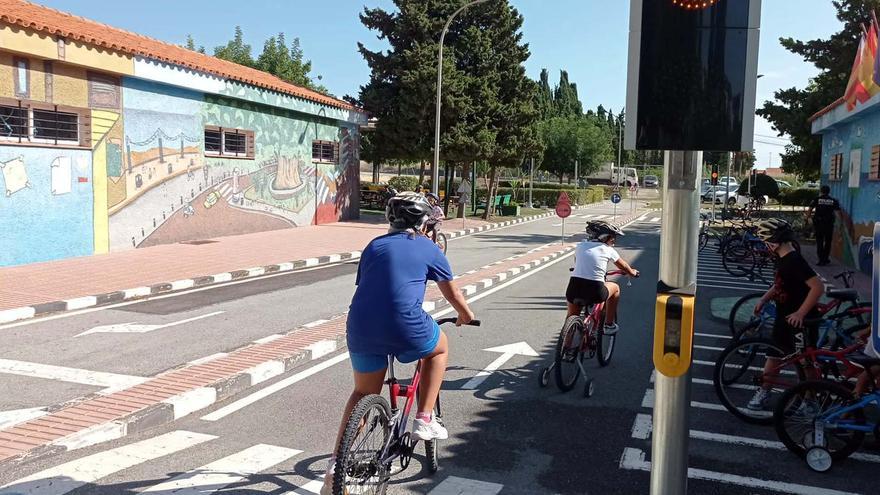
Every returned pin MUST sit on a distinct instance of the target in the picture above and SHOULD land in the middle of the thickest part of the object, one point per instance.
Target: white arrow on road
(507, 352)
(141, 328)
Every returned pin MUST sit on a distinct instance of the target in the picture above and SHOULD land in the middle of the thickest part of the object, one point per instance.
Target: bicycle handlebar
(443, 321)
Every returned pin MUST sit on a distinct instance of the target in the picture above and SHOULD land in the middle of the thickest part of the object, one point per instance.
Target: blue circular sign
(615, 198)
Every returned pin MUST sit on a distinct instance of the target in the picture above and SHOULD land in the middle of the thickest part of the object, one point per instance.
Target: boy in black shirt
(796, 290)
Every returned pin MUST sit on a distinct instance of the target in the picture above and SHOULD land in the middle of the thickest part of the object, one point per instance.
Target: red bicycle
(376, 436)
(582, 337)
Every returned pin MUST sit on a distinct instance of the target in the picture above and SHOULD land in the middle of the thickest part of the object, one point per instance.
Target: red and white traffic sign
(563, 205)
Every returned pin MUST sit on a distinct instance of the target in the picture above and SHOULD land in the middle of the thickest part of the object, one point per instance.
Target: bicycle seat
(843, 294)
(863, 359)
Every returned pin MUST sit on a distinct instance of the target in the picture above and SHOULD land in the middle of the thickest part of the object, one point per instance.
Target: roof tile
(48, 20)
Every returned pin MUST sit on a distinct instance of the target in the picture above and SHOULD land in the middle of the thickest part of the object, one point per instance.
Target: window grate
(325, 151)
(874, 171)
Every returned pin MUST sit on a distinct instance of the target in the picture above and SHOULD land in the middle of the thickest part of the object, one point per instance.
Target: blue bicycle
(821, 422)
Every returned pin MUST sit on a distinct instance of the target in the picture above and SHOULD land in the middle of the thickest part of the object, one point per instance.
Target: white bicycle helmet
(600, 230)
(408, 210)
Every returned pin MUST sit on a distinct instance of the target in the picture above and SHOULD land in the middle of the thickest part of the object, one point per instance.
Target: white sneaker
(759, 400)
(327, 487)
(433, 430)
(611, 329)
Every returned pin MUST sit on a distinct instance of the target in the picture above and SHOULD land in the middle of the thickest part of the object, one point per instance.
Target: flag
(876, 27)
(855, 90)
(869, 57)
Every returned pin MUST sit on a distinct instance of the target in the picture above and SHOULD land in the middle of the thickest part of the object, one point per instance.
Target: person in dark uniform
(823, 210)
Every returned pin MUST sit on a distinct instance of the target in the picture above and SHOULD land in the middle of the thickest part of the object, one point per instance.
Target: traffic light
(714, 175)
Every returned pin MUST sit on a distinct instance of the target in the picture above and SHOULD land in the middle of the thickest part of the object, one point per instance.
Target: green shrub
(797, 197)
(403, 182)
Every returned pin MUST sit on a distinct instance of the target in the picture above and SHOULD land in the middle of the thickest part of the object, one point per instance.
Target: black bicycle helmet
(408, 210)
(600, 230)
(775, 230)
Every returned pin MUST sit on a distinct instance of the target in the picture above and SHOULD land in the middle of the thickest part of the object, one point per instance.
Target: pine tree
(191, 44)
(236, 50)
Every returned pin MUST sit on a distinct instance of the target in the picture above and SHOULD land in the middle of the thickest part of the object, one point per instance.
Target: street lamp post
(435, 173)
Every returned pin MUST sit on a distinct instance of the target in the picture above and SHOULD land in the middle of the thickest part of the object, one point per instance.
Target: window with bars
(835, 172)
(232, 143)
(26, 122)
(874, 171)
(325, 151)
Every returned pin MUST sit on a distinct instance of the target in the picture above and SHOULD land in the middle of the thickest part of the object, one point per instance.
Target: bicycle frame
(833, 420)
(812, 358)
(400, 416)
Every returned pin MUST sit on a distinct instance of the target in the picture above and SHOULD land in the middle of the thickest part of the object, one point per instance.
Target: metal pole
(678, 269)
(435, 174)
(531, 180)
(575, 175)
(727, 193)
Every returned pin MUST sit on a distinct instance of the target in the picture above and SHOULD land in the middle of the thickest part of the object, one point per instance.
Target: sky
(588, 38)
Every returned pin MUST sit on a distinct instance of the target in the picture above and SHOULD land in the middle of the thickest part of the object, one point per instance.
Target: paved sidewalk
(861, 281)
(40, 288)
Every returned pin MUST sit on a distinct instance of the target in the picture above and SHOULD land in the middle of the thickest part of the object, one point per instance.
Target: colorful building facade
(851, 168)
(113, 141)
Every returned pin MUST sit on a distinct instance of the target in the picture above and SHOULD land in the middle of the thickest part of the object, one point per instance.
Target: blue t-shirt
(386, 315)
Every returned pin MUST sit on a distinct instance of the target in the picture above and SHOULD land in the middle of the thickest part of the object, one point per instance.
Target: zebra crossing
(238, 469)
(736, 456)
(711, 273)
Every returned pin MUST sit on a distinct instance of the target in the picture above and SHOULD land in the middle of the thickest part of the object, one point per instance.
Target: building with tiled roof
(112, 140)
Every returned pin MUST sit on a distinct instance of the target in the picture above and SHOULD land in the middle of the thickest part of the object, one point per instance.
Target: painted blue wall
(37, 225)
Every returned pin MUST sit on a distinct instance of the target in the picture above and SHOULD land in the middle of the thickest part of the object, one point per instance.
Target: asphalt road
(507, 436)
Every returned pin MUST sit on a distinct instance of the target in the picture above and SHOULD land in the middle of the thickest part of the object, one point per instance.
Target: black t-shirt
(792, 273)
(823, 208)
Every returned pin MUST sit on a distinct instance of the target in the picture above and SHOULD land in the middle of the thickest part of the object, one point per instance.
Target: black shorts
(791, 339)
(584, 292)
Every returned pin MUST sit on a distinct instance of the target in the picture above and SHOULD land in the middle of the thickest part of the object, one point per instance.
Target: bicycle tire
(703, 241)
(736, 321)
(432, 447)
(441, 242)
(570, 354)
(738, 260)
(359, 416)
(605, 348)
(793, 403)
(733, 392)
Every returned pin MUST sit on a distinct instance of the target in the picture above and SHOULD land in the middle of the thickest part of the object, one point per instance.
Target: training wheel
(589, 388)
(545, 377)
(819, 459)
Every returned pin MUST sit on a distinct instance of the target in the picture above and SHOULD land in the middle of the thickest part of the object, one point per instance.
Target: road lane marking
(634, 459)
(713, 335)
(268, 338)
(142, 328)
(64, 478)
(271, 389)
(507, 352)
(454, 485)
(744, 289)
(655, 220)
(110, 382)
(226, 471)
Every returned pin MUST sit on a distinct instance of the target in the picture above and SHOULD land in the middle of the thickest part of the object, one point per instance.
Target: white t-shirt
(591, 260)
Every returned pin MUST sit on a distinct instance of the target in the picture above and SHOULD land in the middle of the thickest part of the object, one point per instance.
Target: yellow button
(670, 359)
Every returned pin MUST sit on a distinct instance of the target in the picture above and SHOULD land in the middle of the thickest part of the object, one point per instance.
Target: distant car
(783, 184)
(651, 181)
(722, 196)
(811, 185)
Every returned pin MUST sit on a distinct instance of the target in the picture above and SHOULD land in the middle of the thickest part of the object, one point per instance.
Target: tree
(191, 44)
(545, 95)
(792, 108)
(568, 139)
(566, 98)
(236, 50)
(287, 63)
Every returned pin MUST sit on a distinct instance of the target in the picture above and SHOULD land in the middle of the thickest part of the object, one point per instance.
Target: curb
(43, 309)
(176, 393)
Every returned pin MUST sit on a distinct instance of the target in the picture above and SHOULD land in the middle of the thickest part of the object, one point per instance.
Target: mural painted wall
(46, 204)
(860, 203)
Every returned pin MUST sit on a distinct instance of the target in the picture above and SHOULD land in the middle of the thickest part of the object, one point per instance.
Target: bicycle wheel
(739, 259)
(358, 466)
(799, 409)
(432, 463)
(742, 314)
(606, 346)
(441, 241)
(739, 375)
(568, 353)
(704, 240)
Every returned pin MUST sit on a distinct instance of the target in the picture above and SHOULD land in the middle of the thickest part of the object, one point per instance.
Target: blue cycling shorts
(369, 363)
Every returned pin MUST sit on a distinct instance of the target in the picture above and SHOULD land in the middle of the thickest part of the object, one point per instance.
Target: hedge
(797, 197)
(548, 197)
(404, 182)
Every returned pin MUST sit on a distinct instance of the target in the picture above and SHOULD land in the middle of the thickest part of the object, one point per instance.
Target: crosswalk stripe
(15, 416)
(454, 485)
(655, 220)
(600, 217)
(225, 472)
(69, 476)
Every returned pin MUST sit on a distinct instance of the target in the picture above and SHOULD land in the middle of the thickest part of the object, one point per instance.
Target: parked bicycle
(376, 436)
(582, 337)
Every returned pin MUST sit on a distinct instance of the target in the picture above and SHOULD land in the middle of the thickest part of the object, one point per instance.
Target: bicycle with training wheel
(582, 337)
(376, 436)
(821, 422)
(740, 368)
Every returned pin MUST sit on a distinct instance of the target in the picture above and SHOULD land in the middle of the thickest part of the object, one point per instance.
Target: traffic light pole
(673, 339)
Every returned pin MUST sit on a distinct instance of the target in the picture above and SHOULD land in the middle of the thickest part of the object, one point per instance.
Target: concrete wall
(861, 202)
